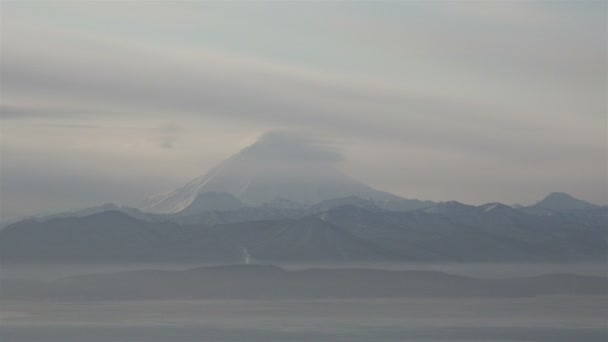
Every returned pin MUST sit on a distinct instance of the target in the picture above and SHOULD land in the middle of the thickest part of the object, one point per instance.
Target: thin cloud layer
(280, 146)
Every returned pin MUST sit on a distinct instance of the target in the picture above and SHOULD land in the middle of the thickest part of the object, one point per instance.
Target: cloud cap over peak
(283, 146)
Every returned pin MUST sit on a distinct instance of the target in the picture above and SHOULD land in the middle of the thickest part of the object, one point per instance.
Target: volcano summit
(277, 166)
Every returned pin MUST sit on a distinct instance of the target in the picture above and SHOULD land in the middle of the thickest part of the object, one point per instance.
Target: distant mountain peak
(563, 201)
(559, 195)
(352, 200)
(110, 215)
(450, 207)
(494, 207)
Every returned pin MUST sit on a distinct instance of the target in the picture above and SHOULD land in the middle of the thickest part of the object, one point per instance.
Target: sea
(541, 318)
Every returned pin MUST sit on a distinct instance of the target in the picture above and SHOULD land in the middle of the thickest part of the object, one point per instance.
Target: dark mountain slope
(107, 236)
(452, 232)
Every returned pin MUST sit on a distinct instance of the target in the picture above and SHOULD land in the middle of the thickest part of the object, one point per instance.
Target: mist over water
(543, 318)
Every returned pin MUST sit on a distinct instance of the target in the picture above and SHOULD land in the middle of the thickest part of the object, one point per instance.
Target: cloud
(152, 86)
(8, 112)
(282, 146)
(167, 135)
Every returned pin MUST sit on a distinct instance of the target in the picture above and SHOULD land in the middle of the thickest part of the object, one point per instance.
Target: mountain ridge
(271, 282)
(451, 232)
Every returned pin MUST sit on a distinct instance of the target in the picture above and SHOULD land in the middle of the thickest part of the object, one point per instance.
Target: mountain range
(346, 229)
(279, 200)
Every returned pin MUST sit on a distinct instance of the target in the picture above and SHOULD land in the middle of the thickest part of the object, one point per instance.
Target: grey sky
(473, 101)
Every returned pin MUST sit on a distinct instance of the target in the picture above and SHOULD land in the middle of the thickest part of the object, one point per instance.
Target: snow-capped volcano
(278, 165)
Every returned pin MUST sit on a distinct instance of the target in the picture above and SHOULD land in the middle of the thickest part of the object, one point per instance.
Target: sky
(475, 101)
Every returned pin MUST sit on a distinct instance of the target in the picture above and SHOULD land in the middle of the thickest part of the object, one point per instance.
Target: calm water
(551, 319)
